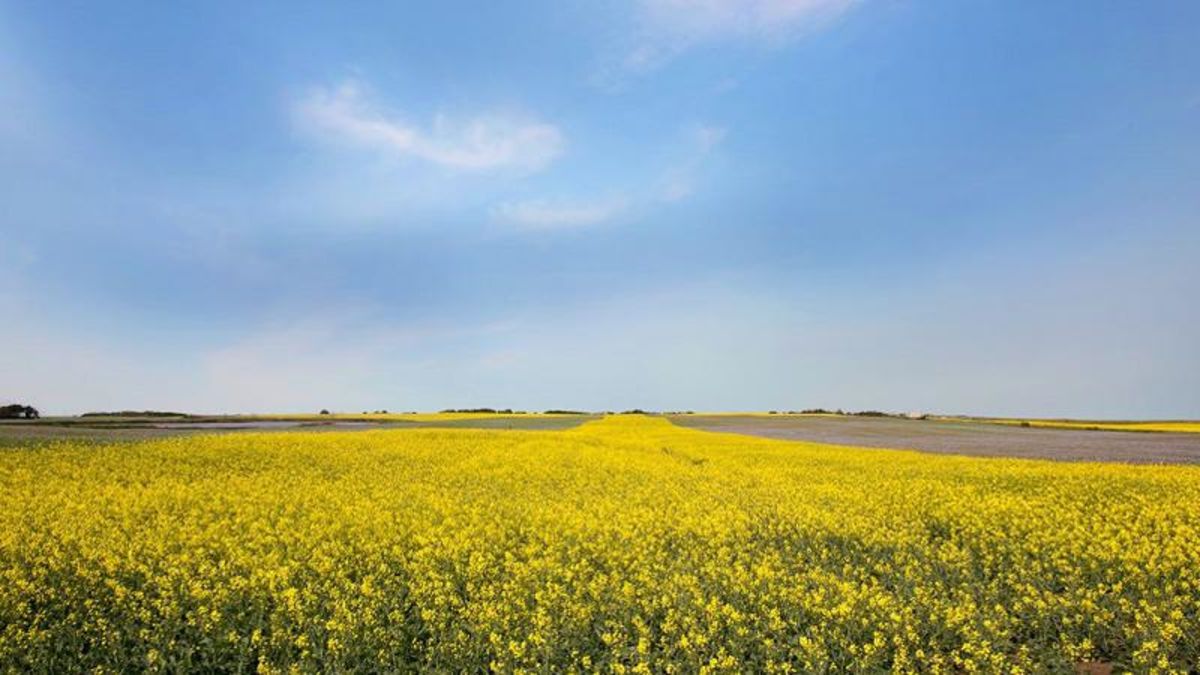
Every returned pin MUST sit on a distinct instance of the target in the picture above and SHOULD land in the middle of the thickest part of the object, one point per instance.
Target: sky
(986, 207)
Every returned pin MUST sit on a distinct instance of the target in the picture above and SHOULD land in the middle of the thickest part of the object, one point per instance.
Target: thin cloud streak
(540, 214)
(670, 27)
(345, 114)
(679, 182)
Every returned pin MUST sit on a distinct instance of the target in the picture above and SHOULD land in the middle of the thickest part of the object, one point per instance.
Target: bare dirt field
(962, 438)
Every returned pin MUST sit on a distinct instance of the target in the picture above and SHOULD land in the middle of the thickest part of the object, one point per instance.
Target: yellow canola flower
(624, 545)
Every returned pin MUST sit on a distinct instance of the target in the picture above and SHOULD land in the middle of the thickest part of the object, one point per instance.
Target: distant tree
(324, 411)
(18, 410)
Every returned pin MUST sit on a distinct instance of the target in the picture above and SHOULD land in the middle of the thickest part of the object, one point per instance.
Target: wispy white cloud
(539, 214)
(347, 114)
(707, 136)
(668, 27)
(676, 183)
(679, 181)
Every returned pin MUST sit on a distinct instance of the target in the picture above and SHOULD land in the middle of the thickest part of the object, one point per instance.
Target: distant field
(1099, 425)
(132, 428)
(965, 436)
(624, 545)
(1161, 442)
(23, 433)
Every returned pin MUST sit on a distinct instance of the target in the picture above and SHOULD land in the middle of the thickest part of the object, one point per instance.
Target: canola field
(624, 545)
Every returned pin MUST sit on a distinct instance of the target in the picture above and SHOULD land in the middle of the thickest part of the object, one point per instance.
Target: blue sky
(984, 207)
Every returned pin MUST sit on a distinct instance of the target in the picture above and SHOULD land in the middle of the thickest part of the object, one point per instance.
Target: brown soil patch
(962, 438)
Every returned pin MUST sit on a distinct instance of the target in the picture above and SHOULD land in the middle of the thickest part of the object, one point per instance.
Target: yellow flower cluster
(625, 545)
